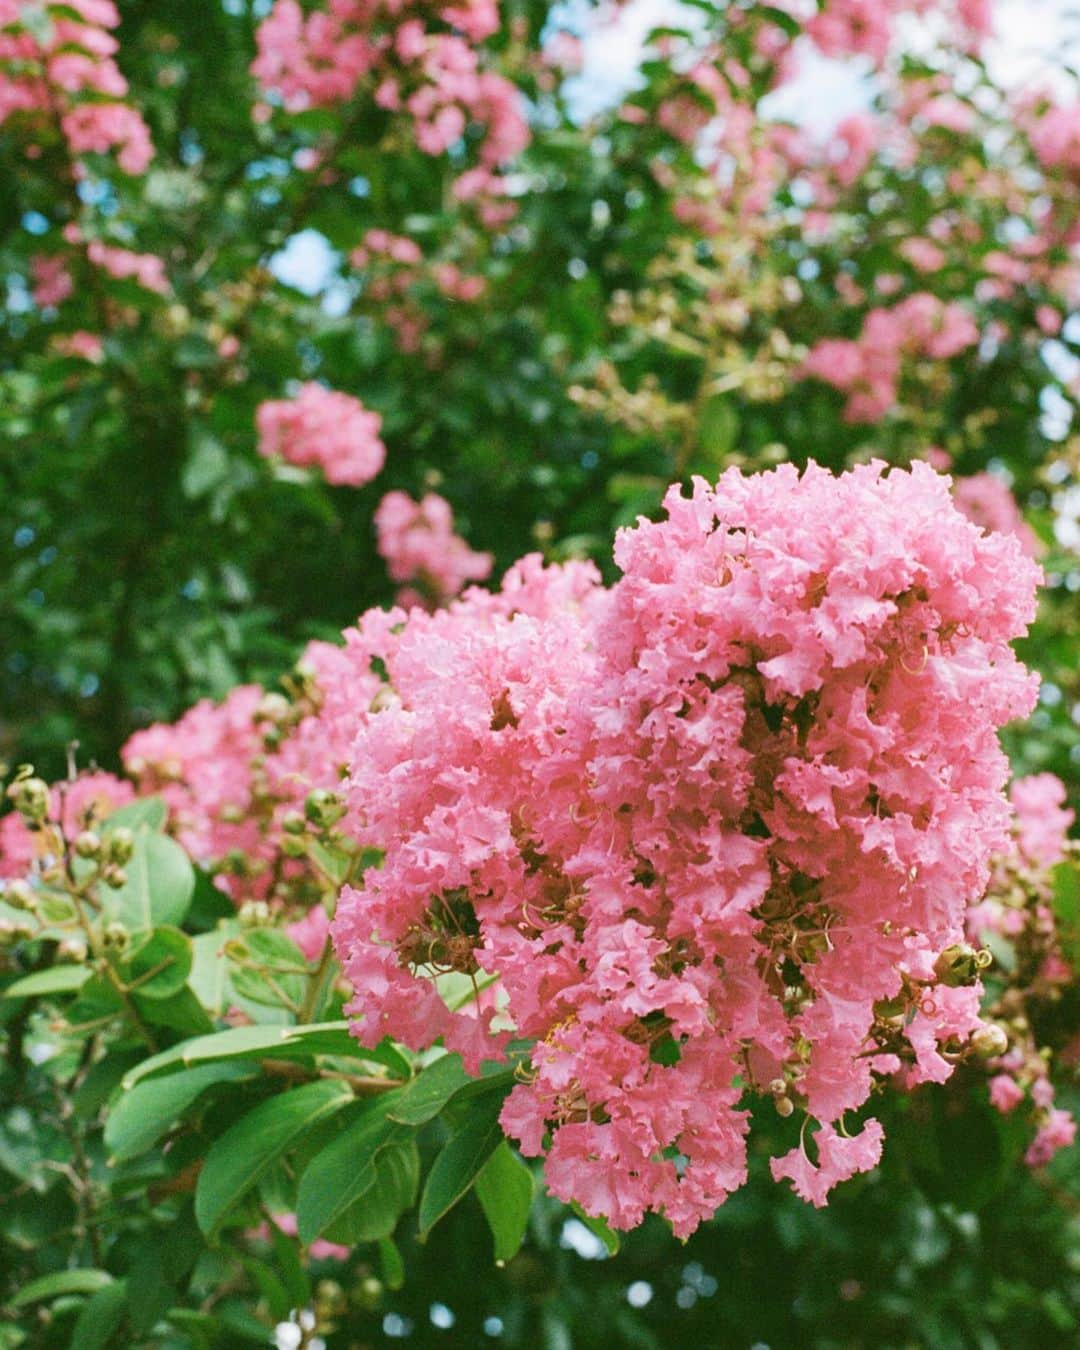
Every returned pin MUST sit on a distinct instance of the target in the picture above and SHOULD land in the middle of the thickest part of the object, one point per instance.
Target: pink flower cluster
(417, 58)
(1019, 911)
(868, 368)
(145, 269)
(201, 767)
(985, 499)
(59, 69)
(417, 540)
(393, 268)
(691, 835)
(1055, 138)
(323, 427)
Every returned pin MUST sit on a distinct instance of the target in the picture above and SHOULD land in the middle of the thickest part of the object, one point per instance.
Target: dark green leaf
(429, 1091)
(55, 980)
(504, 1188)
(256, 1142)
(140, 1116)
(456, 1168)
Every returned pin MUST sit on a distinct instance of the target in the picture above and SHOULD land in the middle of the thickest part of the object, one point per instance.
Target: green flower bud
(292, 822)
(87, 844)
(990, 1041)
(254, 914)
(323, 808)
(20, 895)
(30, 797)
(113, 876)
(116, 937)
(121, 843)
(957, 965)
(71, 952)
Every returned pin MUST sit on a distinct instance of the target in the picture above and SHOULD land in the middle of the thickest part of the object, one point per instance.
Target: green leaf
(342, 1172)
(100, 1318)
(61, 1282)
(317, 1038)
(256, 1142)
(180, 1012)
(55, 980)
(279, 956)
(160, 966)
(159, 886)
(1065, 878)
(391, 1265)
(429, 1091)
(455, 1169)
(396, 1180)
(209, 969)
(504, 1188)
(139, 1117)
(149, 811)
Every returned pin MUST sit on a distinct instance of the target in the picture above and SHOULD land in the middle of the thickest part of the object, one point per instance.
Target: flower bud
(254, 914)
(20, 894)
(292, 822)
(323, 808)
(71, 952)
(272, 708)
(121, 843)
(784, 1107)
(87, 844)
(989, 1041)
(292, 847)
(957, 965)
(116, 937)
(113, 876)
(30, 797)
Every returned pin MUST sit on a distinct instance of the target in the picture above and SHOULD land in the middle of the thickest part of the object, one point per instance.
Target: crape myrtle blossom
(58, 74)
(1018, 913)
(421, 60)
(711, 830)
(324, 428)
(420, 547)
(868, 369)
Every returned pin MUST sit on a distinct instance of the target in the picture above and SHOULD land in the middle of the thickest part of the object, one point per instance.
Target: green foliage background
(148, 557)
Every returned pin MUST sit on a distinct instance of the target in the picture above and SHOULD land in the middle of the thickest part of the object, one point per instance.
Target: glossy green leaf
(160, 965)
(317, 1038)
(375, 1215)
(456, 1168)
(87, 1281)
(429, 1091)
(160, 882)
(256, 1142)
(140, 1116)
(504, 1187)
(54, 980)
(344, 1171)
(100, 1319)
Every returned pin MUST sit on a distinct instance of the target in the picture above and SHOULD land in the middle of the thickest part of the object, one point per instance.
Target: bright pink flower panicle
(201, 766)
(692, 830)
(417, 540)
(985, 499)
(326, 428)
(421, 60)
(59, 71)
